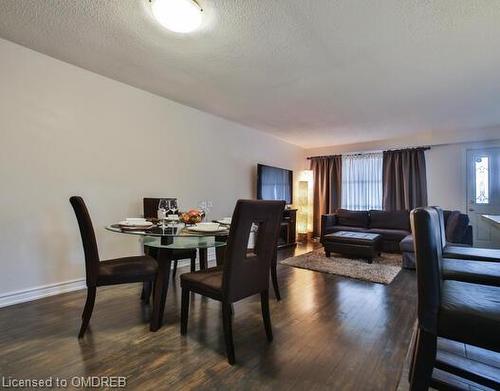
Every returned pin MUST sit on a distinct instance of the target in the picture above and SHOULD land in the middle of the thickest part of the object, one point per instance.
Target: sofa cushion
(472, 253)
(352, 218)
(446, 214)
(470, 313)
(398, 219)
(456, 226)
(389, 234)
(476, 272)
(406, 245)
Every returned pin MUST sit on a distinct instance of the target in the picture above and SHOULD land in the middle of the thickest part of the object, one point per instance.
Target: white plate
(206, 229)
(135, 224)
(123, 228)
(225, 221)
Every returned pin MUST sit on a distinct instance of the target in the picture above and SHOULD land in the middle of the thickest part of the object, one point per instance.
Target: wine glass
(206, 206)
(173, 207)
(202, 205)
(163, 207)
(172, 211)
(210, 205)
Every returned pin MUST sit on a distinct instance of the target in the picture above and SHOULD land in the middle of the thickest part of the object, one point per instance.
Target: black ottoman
(359, 244)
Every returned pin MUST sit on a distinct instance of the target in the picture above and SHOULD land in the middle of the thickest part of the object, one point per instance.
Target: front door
(483, 195)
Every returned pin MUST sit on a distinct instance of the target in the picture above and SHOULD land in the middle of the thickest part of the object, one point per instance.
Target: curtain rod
(424, 148)
(324, 156)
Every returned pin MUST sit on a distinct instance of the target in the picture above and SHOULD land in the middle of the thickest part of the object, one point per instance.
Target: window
(362, 181)
(482, 180)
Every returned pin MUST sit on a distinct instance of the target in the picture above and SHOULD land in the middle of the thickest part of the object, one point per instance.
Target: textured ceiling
(312, 72)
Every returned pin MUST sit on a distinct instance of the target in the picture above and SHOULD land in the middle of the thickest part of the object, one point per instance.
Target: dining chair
(467, 270)
(150, 208)
(461, 311)
(243, 274)
(109, 272)
(454, 251)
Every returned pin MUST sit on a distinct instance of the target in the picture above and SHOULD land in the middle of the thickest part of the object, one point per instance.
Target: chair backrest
(455, 227)
(428, 255)
(442, 226)
(88, 239)
(248, 274)
(150, 206)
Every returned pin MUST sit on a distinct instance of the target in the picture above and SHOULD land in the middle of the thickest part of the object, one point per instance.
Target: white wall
(66, 131)
(446, 173)
(431, 138)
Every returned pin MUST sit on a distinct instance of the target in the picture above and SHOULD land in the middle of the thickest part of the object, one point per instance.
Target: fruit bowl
(192, 216)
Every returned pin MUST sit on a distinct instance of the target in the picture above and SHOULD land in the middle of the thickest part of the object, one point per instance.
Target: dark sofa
(394, 227)
(457, 231)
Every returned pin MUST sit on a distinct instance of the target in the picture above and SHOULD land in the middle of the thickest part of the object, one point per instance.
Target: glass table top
(176, 237)
(183, 242)
(177, 230)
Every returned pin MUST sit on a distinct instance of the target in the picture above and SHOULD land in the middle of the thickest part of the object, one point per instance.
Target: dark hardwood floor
(329, 333)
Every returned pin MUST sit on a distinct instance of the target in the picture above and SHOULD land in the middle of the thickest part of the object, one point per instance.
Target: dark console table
(288, 233)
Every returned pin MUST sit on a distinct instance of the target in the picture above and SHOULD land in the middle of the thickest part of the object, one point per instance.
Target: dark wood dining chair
(109, 272)
(243, 274)
(467, 270)
(465, 312)
(454, 251)
(150, 208)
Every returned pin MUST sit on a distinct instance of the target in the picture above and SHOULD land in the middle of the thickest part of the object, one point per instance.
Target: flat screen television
(274, 183)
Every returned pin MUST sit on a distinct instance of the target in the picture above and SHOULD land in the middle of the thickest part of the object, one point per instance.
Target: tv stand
(287, 236)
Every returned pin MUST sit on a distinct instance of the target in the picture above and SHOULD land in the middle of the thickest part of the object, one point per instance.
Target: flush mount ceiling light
(180, 16)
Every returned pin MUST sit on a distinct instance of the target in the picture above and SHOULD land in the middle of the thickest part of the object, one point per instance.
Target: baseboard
(31, 294)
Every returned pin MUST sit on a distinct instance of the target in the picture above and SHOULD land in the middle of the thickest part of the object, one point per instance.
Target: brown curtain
(327, 172)
(404, 179)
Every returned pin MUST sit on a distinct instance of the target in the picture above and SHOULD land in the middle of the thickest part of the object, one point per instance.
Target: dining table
(174, 236)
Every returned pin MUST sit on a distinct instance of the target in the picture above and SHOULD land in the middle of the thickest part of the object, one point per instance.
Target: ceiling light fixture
(180, 16)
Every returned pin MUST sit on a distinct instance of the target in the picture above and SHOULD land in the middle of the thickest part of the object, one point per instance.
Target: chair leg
(264, 303)
(228, 331)
(87, 310)
(193, 263)
(147, 287)
(274, 276)
(160, 291)
(202, 252)
(424, 361)
(174, 272)
(184, 311)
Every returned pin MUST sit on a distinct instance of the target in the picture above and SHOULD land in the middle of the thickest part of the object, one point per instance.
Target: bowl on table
(192, 216)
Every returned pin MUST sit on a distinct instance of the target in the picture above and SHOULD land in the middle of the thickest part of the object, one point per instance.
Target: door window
(481, 171)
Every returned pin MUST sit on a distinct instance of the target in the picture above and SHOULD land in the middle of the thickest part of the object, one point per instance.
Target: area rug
(382, 270)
